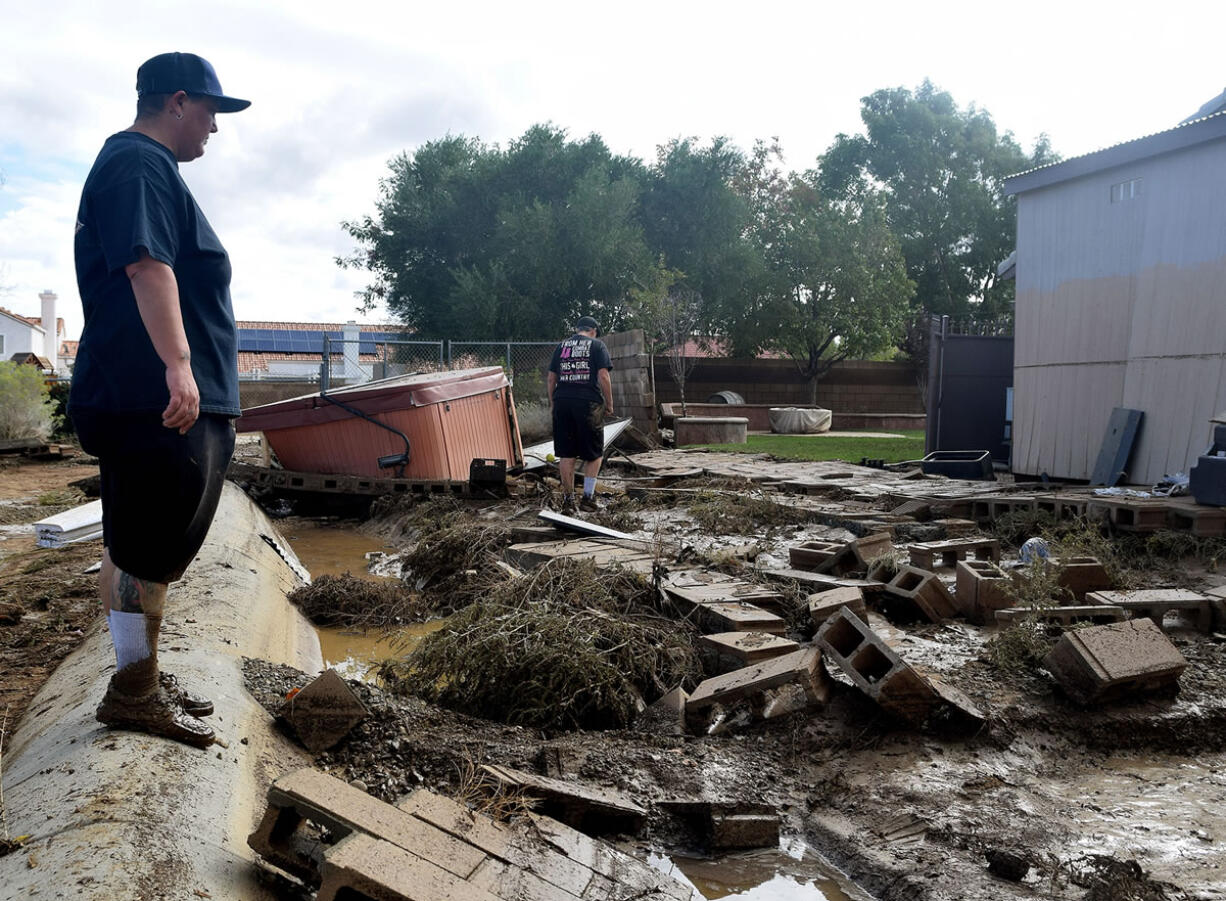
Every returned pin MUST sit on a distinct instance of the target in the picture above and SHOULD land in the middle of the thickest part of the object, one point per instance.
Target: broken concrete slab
(728, 651)
(876, 668)
(1156, 603)
(932, 554)
(1082, 613)
(431, 848)
(802, 668)
(666, 716)
(981, 589)
(821, 581)
(695, 586)
(1121, 660)
(824, 604)
(593, 809)
(637, 556)
(924, 589)
(323, 712)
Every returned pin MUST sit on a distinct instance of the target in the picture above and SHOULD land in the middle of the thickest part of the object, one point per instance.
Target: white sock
(129, 635)
(589, 486)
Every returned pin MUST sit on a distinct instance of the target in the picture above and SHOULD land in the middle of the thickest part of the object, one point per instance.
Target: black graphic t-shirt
(577, 362)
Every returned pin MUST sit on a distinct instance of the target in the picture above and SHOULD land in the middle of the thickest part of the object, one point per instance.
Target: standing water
(770, 875)
(330, 548)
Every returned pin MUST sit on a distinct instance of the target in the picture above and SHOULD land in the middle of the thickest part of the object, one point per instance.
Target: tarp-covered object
(799, 421)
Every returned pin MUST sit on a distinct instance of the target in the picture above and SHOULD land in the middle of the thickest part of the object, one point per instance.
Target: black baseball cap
(585, 323)
(167, 73)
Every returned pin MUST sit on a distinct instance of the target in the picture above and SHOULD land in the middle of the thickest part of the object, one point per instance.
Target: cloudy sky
(340, 88)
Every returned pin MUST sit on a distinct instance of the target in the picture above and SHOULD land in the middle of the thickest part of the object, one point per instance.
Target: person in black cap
(155, 385)
(580, 397)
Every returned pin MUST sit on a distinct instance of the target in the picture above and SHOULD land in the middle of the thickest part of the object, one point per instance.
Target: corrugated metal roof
(1186, 134)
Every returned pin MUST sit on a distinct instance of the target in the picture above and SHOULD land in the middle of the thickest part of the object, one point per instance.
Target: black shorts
(578, 428)
(159, 488)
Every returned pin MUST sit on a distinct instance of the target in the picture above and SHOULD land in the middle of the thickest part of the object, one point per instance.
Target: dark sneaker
(588, 504)
(568, 504)
(196, 705)
(156, 714)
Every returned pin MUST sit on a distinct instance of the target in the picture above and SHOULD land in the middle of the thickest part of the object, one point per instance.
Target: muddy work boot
(589, 504)
(156, 713)
(568, 504)
(196, 705)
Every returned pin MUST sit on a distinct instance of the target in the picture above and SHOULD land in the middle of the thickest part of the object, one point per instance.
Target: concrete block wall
(634, 389)
(852, 386)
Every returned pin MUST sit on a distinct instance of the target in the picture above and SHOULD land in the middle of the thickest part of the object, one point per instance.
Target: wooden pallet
(339, 483)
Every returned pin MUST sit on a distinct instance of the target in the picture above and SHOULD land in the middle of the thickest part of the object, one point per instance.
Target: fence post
(325, 368)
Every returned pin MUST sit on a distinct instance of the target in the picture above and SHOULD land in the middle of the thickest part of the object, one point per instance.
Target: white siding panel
(1178, 396)
(1122, 304)
(1060, 417)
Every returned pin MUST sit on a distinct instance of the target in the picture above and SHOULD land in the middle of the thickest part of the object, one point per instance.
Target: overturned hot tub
(427, 426)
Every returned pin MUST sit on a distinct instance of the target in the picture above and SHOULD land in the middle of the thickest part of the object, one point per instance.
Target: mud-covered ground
(47, 600)
(1126, 801)
(1123, 802)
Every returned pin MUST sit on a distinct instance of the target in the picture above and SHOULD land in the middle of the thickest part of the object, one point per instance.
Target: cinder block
(1129, 514)
(308, 795)
(1082, 574)
(364, 867)
(727, 651)
(824, 604)
(840, 558)
(744, 826)
(925, 590)
(1184, 515)
(931, 554)
(1156, 603)
(801, 667)
(875, 668)
(981, 590)
(1102, 663)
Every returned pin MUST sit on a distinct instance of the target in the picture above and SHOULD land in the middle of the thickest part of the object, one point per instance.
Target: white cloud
(338, 90)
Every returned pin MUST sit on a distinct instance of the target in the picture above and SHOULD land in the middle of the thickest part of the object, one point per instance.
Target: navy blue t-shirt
(577, 362)
(134, 199)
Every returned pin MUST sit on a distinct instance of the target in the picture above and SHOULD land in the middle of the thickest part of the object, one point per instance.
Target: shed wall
(1121, 304)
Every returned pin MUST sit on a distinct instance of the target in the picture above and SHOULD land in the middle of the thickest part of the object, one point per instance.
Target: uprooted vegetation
(740, 507)
(564, 647)
(348, 601)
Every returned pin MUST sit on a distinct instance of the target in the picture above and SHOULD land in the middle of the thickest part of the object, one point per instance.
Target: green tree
(25, 407)
(474, 241)
(836, 283)
(941, 169)
(701, 226)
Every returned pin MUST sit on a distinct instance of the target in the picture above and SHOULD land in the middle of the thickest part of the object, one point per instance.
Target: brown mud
(1122, 802)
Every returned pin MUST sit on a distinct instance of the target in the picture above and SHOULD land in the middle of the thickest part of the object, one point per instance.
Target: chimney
(352, 347)
(51, 340)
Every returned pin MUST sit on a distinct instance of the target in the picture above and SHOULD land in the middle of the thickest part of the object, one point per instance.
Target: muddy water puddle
(763, 876)
(331, 547)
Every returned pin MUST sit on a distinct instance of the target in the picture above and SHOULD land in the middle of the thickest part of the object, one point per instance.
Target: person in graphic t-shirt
(580, 397)
(155, 387)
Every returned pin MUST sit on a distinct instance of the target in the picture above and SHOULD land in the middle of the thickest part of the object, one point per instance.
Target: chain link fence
(526, 363)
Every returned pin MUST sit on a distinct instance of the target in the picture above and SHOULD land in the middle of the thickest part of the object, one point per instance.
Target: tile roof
(250, 360)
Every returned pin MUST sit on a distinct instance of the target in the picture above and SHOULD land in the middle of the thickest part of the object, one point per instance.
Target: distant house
(294, 350)
(1121, 301)
(28, 335)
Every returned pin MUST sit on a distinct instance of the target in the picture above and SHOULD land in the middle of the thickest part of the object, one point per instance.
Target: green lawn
(909, 445)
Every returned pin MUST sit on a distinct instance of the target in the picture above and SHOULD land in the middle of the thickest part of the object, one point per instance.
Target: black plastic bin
(975, 465)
